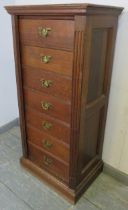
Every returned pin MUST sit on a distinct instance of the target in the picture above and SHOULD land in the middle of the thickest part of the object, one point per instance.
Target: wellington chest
(63, 57)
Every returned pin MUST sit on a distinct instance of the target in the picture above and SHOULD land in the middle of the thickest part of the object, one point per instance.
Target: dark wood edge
(62, 9)
(90, 177)
(88, 180)
(79, 38)
(51, 181)
(16, 45)
(70, 195)
(109, 65)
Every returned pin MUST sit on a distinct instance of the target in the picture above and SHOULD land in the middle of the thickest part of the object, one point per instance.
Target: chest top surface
(63, 9)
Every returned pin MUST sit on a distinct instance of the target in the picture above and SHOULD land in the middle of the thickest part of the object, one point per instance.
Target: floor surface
(19, 190)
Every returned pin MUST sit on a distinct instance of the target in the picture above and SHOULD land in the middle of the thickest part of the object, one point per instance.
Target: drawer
(47, 104)
(48, 59)
(60, 35)
(50, 164)
(48, 143)
(48, 82)
(48, 125)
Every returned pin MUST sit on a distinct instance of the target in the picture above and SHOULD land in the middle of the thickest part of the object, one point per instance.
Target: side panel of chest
(63, 59)
(100, 42)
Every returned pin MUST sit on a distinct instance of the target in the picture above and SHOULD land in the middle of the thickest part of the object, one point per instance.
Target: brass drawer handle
(46, 83)
(47, 144)
(45, 105)
(46, 125)
(43, 31)
(45, 58)
(47, 161)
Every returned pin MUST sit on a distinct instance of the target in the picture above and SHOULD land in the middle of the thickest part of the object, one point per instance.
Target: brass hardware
(46, 125)
(47, 144)
(46, 83)
(47, 161)
(46, 105)
(45, 58)
(43, 31)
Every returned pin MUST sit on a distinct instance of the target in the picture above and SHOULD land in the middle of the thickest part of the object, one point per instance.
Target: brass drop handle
(47, 161)
(43, 31)
(47, 144)
(45, 105)
(46, 125)
(46, 83)
(45, 58)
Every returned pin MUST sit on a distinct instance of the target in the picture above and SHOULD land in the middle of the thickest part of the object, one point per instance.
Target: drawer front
(50, 164)
(48, 59)
(48, 143)
(47, 33)
(50, 83)
(47, 104)
(48, 125)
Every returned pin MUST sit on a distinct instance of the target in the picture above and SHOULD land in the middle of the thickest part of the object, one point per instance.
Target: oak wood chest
(63, 57)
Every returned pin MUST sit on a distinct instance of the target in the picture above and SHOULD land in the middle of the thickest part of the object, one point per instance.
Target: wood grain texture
(80, 70)
(94, 97)
(76, 98)
(64, 9)
(61, 188)
(61, 35)
(32, 78)
(58, 109)
(19, 82)
(55, 167)
(59, 129)
(58, 148)
(60, 62)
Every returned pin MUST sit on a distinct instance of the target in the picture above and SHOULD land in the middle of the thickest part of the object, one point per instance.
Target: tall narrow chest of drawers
(63, 56)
